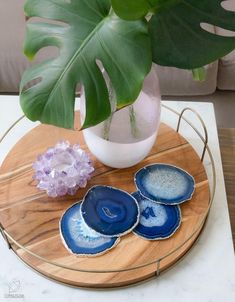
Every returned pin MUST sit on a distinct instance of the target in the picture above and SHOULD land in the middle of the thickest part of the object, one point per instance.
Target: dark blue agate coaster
(165, 184)
(81, 240)
(157, 221)
(110, 211)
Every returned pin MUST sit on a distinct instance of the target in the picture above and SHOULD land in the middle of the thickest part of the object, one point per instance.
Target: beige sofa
(172, 81)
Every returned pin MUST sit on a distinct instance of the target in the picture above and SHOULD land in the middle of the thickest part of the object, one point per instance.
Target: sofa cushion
(12, 31)
(226, 72)
(176, 82)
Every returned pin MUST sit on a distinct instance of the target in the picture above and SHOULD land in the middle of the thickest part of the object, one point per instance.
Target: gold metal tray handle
(203, 125)
(2, 232)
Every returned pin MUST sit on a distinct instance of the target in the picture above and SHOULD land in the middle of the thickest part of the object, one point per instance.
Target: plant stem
(107, 123)
(107, 126)
(199, 74)
(134, 129)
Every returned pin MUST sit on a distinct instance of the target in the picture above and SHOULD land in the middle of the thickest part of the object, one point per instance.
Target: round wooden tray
(31, 219)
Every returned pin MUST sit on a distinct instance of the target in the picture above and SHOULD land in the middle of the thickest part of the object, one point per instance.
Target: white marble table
(207, 273)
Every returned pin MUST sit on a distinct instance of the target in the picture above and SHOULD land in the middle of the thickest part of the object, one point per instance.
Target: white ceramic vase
(128, 136)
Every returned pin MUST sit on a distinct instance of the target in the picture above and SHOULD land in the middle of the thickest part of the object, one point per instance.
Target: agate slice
(165, 184)
(81, 240)
(110, 211)
(157, 221)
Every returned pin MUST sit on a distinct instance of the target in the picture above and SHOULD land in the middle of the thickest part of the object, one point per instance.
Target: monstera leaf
(177, 36)
(178, 39)
(89, 32)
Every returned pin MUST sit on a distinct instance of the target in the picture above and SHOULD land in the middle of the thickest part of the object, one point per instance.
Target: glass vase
(128, 135)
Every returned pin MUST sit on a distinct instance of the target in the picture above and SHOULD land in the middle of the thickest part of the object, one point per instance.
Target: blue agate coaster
(165, 184)
(79, 239)
(157, 221)
(110, 211)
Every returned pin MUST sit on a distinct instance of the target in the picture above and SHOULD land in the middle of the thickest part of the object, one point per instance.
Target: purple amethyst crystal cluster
(63, 169)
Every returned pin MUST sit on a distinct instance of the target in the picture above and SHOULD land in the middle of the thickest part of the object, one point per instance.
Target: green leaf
(137, 9)
(89, 32)
(178, 39)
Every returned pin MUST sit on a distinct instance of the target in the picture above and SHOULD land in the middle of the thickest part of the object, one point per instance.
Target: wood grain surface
(32, 218)
(227, 147)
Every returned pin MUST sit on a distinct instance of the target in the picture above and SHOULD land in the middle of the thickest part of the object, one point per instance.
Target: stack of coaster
(94, 225)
